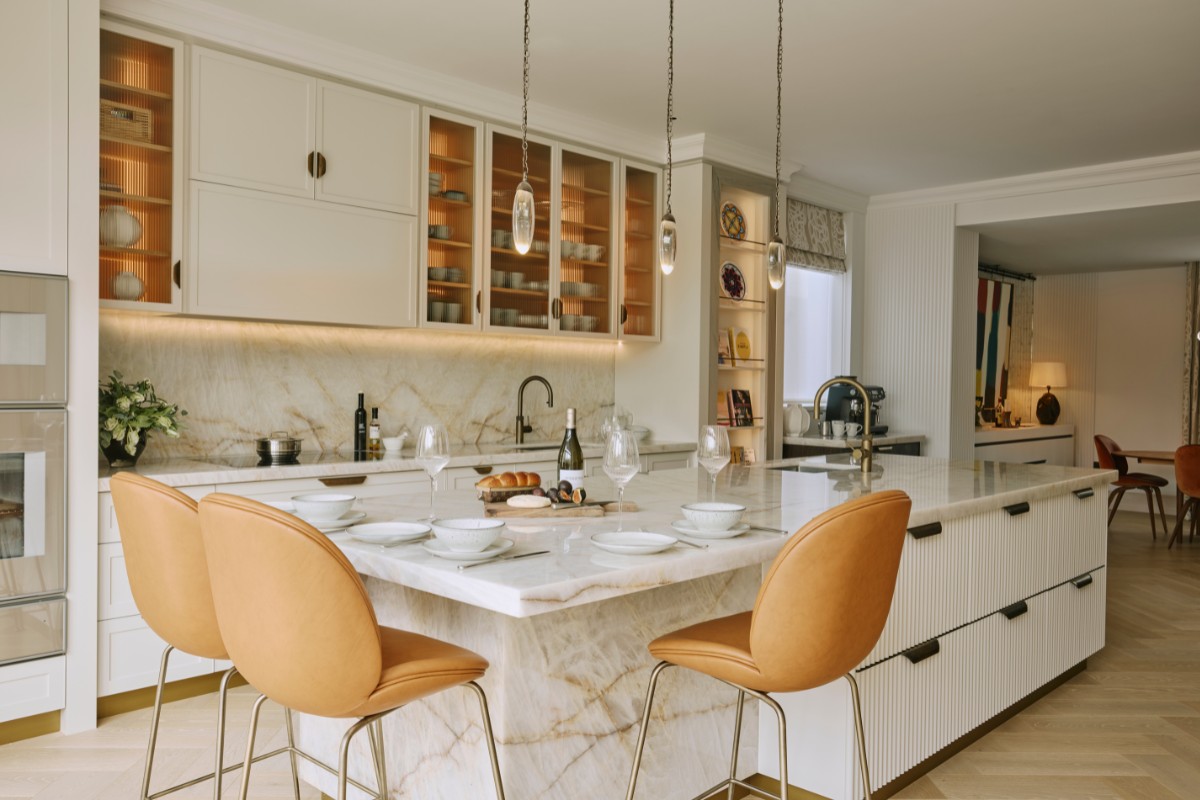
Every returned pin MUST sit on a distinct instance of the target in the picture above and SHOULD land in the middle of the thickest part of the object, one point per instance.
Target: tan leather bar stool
(296, 618)
(819, 612)
(168, 575)
(1187, 483)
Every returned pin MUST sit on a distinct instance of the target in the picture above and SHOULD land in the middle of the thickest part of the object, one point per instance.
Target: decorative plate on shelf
(732, 281)
(732, 222)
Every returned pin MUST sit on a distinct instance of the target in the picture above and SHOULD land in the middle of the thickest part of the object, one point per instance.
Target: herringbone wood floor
(1128, 728)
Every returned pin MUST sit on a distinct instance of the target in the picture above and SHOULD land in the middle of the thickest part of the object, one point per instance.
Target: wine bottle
(570, 456)
(374, 445)
(360, 430)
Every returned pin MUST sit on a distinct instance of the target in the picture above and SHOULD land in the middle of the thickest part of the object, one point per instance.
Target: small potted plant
(129, 412)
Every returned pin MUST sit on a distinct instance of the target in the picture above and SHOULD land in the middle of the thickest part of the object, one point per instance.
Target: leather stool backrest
(1105, 448)
(164, 558)
(294, 614)
(826, 598)
(1187, 469)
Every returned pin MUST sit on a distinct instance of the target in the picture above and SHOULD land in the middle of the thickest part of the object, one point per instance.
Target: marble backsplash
(242, 380)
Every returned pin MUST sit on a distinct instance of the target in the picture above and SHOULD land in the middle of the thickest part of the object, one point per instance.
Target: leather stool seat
(416, 666)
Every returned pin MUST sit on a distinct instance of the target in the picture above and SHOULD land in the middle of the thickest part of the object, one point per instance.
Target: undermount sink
(536, 446)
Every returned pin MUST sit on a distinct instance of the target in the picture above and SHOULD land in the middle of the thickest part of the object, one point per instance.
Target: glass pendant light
(666, 228)
(523, 212)
(776, 256)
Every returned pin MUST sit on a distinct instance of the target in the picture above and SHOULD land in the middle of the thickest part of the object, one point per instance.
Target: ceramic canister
(119, 228)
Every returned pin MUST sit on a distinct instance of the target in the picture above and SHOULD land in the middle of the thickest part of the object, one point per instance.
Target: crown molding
(826, 195)
(205, 23)
(1090, 177)
(706, 147)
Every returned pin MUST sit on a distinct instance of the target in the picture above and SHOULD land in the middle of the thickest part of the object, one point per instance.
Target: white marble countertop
(845, 443)
(219, 470)
(576, 572)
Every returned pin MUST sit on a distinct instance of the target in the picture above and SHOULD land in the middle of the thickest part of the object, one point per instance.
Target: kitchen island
(1001, 590)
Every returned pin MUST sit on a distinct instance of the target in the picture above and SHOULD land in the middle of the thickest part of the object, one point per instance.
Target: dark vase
(118, 458)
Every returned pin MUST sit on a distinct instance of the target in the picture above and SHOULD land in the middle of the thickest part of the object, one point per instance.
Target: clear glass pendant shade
(666, 244)
(522, 218)
(776, 262)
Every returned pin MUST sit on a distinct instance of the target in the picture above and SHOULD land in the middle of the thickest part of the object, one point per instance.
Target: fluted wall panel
(962, 370)
(908, 318)
(1065, 324)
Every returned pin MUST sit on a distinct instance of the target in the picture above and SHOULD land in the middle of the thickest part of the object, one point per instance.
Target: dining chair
(168, 576)
(820, 610)
(1187, 483)
(297, 621)
(1107, 455)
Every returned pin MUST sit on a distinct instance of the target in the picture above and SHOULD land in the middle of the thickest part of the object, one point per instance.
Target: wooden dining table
(1160, 457)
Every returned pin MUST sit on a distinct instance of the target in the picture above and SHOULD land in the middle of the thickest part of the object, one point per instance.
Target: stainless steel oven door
(33, 340)
(32, 503)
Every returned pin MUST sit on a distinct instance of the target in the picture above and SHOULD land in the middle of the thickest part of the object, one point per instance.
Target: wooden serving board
(584, 510)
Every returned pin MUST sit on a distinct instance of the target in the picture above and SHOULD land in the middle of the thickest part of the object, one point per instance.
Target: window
(814, 331)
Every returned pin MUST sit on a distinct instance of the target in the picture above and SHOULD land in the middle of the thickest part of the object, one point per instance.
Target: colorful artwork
(992, 331)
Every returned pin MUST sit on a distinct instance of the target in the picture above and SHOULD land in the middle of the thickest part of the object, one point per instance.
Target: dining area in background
(1111, 456)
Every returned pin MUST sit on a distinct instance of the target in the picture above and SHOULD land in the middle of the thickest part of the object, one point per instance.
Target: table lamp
(1048, 373)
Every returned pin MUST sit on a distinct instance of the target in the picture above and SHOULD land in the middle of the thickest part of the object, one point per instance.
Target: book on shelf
(740, 343)
(735, 454)
(748, 456)
(723, 417)
(741, 410)
(723, 348)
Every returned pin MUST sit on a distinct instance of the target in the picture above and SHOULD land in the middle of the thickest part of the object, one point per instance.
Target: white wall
(1139, 362)
(1065, 325)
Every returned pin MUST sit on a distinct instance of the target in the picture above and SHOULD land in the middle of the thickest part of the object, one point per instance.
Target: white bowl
(392, 443)
(323, 505)
(467, 535)
(640, 433)
(713, 516)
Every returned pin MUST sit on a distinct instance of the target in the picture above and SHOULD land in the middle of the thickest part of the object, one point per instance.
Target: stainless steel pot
(278, 448)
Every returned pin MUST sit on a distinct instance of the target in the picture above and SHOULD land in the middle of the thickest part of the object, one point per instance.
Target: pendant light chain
(670, 91)
(778, 111)
(525, 103)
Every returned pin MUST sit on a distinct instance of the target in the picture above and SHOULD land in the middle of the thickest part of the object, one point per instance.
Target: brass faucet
(864, 450)
(522, 428)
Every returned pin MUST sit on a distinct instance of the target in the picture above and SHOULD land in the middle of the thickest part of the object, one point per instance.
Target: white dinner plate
(334, 525)
(439, 548)
(633, 543)
(688, 529)
(389, 533)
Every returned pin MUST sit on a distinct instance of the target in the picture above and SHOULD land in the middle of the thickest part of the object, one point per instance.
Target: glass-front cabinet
(141, 216)
(641, 279)
(586, 285)
(451, 262)
(518, 287)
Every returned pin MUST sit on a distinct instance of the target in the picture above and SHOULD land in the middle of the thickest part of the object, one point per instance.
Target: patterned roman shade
(816, 237)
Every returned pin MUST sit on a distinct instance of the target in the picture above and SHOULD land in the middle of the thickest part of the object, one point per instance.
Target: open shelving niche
(752, 374)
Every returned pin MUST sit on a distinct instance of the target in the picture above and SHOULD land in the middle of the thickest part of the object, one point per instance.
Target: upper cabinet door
(33, 83)
(253, 125)
(368, 144)
(641, 278)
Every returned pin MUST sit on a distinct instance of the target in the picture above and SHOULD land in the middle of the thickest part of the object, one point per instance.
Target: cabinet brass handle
(322, 165)
(922, 531)
(312, 163)
(624, 314)
(1084, 494)
(483, 469)
(1017, 509)
(556, 308)
(175, 273)
(1015, 610)
(344, 480)
(1082, 581)
(478, 301)
(923, 651)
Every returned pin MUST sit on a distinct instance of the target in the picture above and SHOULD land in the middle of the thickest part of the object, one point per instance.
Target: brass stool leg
(257, 708)
(737, 740)
(158, 698)
(344, 753)
(291, 746)
(860, 736)
(375, 734)
(222, 704)
(641, 740)
(778, 709)
(489, 736)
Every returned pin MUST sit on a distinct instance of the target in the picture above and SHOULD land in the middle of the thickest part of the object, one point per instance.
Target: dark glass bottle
(360, 430)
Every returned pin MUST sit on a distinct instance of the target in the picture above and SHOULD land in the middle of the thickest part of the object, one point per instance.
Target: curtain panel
(1191, 358)
(816, 237)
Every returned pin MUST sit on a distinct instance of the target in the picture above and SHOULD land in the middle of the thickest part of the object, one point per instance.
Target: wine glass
(433, 453)
(621, 463)
(713, 453)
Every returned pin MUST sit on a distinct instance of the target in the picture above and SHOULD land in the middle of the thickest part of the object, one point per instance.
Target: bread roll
(522, 478)
(534, 479)
(489, 482)
(506, 480)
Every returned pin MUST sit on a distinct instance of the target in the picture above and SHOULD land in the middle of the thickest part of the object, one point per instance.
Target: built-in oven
(33, 429)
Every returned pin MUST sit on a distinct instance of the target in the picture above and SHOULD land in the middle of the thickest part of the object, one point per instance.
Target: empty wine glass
(621, 463)
(713, 453)
(433, 454)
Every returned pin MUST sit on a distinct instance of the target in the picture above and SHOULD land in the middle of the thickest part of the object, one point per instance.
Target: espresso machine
(844, 403)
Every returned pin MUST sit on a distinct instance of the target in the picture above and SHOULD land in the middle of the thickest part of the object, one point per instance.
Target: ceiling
(879, 96)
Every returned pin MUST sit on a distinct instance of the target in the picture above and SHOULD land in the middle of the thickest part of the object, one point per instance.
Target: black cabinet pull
(1084, 494)
(1017, 509)
(175, 273)
(1015, 610)
(921, 531)
(1082, 581)
(923, 651)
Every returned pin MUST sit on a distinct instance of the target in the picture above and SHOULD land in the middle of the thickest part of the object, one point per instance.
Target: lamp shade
(1048, 373)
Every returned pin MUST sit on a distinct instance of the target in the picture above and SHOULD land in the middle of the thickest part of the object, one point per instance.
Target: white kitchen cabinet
(32, 687)
(267, 256)
(1029, 444)
(33, 83)
(262, 127)
(641, 277)
(129, 654)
